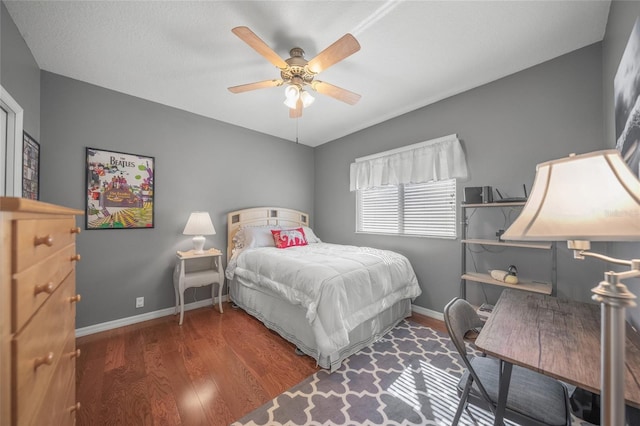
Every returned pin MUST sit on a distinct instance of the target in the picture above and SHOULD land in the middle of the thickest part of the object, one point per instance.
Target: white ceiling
(413, 53)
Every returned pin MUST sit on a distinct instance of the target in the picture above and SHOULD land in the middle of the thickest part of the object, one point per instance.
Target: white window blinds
(422, 209)
(379, 210)
(430, 209)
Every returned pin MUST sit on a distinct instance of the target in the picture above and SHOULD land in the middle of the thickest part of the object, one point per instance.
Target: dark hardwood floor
(212, 370)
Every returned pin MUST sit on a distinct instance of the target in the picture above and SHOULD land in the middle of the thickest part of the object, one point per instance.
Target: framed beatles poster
(30, 168)
(120, 190)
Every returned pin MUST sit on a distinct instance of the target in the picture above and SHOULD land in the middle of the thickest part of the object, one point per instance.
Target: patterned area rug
(407, 377)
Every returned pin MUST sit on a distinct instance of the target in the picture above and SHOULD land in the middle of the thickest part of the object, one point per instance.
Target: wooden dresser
(37, 313)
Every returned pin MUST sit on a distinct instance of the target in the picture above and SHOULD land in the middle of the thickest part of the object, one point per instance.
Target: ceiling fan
(298, 73)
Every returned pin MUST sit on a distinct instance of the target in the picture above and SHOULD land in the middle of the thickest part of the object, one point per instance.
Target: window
(422, 209)
(409, 190)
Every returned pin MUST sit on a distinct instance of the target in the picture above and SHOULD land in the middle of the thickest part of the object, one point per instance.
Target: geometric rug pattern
(408, 377)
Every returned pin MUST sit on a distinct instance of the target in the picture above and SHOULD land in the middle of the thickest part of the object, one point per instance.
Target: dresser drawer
(33, 286)
(35, 240)
(39, 346)
(58, 405)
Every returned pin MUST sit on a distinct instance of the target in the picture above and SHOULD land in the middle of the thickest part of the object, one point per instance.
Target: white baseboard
(110, 325)
(427, 312)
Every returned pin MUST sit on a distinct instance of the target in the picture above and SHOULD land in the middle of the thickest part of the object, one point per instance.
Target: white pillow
(311, 237)
(258, 236)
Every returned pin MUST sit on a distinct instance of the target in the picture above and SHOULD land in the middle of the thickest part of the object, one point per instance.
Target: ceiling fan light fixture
(291, 93)
(306, 99)
(290, 103)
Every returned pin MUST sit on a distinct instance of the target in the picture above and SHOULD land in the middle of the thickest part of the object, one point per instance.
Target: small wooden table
(556, 337)
(210, 273)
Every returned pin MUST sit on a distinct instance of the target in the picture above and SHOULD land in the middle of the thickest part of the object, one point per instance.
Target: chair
(533, 399)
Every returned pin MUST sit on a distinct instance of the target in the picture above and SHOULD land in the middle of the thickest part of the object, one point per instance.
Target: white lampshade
(593, 197)
(199, 224)
(291, 93)
(306, 98)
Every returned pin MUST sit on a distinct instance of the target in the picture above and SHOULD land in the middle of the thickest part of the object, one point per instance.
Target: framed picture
(30, 168)
(120, 190)
(626, 87)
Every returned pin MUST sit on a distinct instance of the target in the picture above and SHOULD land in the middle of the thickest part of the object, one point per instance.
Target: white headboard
(259, 216)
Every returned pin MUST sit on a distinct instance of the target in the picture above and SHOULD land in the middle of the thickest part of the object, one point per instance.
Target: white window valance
(433, 160)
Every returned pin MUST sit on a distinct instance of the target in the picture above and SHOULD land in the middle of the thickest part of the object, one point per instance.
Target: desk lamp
(199, 225)
(583, 198)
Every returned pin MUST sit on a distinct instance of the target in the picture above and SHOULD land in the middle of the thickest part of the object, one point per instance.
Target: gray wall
(19, 72)
(507, 127)
(201, 164)
(622, 17)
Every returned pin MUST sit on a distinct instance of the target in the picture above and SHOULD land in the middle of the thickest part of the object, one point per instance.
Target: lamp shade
(592, 196)
(291, 94)
(307, 99)
(199, 223)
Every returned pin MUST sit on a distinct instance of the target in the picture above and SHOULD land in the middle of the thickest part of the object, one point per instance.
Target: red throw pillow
(284, 238)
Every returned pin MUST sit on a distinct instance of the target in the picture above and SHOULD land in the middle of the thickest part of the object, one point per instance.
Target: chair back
(460, 317)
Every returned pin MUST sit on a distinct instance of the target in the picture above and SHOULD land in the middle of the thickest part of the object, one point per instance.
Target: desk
(209, 272)
(556, 337)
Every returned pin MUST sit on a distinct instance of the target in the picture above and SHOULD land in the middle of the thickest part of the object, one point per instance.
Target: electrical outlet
(139, 302)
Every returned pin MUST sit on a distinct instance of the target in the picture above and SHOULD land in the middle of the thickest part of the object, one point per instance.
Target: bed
(329, 300)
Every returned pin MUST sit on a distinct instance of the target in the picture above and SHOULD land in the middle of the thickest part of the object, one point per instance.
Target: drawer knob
(44, 360)
(75, 407)
(74, 354)
(43, 288)
(76, 258)
(75, 299)
(47, 240)
(75, 230)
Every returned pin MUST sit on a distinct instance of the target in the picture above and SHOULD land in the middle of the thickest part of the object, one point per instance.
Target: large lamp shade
(592, 196)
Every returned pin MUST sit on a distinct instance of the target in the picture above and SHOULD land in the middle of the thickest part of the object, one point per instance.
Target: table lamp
(583, 198)
(199, 225)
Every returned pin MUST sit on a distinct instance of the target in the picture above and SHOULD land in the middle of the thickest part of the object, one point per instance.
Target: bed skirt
(290, 322)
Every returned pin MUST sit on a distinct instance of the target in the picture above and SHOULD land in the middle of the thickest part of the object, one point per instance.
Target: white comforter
(339, 286)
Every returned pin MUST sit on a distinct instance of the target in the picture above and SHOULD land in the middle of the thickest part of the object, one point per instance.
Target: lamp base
(198, 244)
(613, 297)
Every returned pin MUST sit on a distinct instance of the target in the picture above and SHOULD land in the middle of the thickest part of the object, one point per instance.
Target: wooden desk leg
(503, 391)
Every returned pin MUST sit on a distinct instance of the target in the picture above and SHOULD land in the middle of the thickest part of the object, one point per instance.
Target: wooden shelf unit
(542, 287)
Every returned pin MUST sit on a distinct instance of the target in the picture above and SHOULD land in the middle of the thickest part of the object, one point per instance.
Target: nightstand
(197, 270)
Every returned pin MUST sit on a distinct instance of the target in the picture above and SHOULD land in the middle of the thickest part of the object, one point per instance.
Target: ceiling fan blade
(254, 86)
(297, 112)
(345, 46)
(259, 46)
(335, 92)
